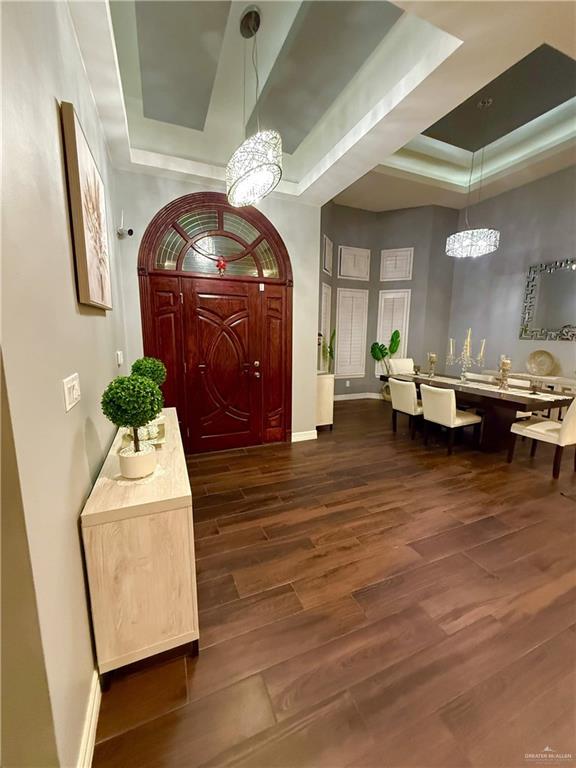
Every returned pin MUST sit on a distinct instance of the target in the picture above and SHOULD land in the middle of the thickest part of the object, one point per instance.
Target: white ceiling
(366, 150)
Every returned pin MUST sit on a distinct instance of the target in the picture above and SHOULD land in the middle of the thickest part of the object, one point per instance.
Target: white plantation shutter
(325, 318)
(393, 314)
(326, 311)
(351, 326)
(396, 264)
(354, 263)
(327, 255)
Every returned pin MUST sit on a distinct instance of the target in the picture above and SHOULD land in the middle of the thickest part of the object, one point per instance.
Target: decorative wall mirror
(549, 311)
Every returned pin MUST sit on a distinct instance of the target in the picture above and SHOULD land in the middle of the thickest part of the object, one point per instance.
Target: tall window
(393, 314)
(351, 326)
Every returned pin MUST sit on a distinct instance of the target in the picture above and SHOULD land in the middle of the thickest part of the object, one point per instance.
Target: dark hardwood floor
(366, 601)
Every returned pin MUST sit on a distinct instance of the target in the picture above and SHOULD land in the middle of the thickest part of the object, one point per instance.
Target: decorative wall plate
(540, 363)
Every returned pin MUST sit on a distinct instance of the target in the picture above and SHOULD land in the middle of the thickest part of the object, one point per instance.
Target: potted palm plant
(381, 352)
(328, 351)
(133, 401)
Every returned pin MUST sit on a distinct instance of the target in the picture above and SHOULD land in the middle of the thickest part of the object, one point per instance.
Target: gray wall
(28, 737)
(424, 229)
(537, 224)
(47, 335)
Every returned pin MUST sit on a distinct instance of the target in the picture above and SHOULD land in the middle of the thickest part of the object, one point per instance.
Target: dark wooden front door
(226, 347)
(223, 379)
(226, 340)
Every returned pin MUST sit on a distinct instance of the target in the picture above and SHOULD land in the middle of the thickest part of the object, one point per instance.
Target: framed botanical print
(88, 213)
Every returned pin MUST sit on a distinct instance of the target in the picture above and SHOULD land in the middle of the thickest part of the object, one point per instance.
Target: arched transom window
(208, 238)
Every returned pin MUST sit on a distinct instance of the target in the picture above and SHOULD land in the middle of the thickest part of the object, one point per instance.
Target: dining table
(499, 408)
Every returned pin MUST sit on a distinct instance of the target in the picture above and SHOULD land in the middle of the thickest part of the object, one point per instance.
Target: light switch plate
(72, 392)
(119, 357)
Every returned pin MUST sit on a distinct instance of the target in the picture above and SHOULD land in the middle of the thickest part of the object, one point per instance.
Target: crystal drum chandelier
(471, 243)
(255, 168)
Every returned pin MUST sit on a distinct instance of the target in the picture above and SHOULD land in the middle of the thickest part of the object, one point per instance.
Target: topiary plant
(150, 367)
(132, 401)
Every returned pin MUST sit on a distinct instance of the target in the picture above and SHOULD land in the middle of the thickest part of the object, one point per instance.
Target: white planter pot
(137, 464)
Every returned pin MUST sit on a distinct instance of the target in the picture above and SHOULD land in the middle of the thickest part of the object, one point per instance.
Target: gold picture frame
(88, 213)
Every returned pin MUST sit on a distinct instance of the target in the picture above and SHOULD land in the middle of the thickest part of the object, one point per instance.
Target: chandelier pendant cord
(244, 126)
(473, 242)
(483, 105)
(255, 65)
(481, 175)
(255, 168)
(471, 171)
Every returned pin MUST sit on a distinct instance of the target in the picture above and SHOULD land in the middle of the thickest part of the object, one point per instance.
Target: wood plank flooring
(366, 602)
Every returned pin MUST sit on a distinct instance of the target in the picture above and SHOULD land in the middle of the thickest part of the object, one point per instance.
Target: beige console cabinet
(324, 400)
(139, 548)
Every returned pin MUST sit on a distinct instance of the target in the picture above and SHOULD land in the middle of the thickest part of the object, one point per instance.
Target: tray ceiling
(355, 89)
(539, 82)
(170, 52)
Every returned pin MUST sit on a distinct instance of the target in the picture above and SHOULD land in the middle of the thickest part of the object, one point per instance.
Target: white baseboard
(360, 396)
(298, 437)
(86, 752)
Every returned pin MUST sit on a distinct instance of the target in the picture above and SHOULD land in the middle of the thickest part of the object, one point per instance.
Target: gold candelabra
(465, 358)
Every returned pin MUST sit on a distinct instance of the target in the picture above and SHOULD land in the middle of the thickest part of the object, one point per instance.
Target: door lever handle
(257, 375)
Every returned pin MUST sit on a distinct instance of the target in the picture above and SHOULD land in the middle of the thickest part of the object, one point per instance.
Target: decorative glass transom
(212, 242)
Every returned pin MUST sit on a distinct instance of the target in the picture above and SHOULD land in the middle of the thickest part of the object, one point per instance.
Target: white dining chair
(401, 365)
(521, 384)
(405, 400)
(538, 429)
(439, 407)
